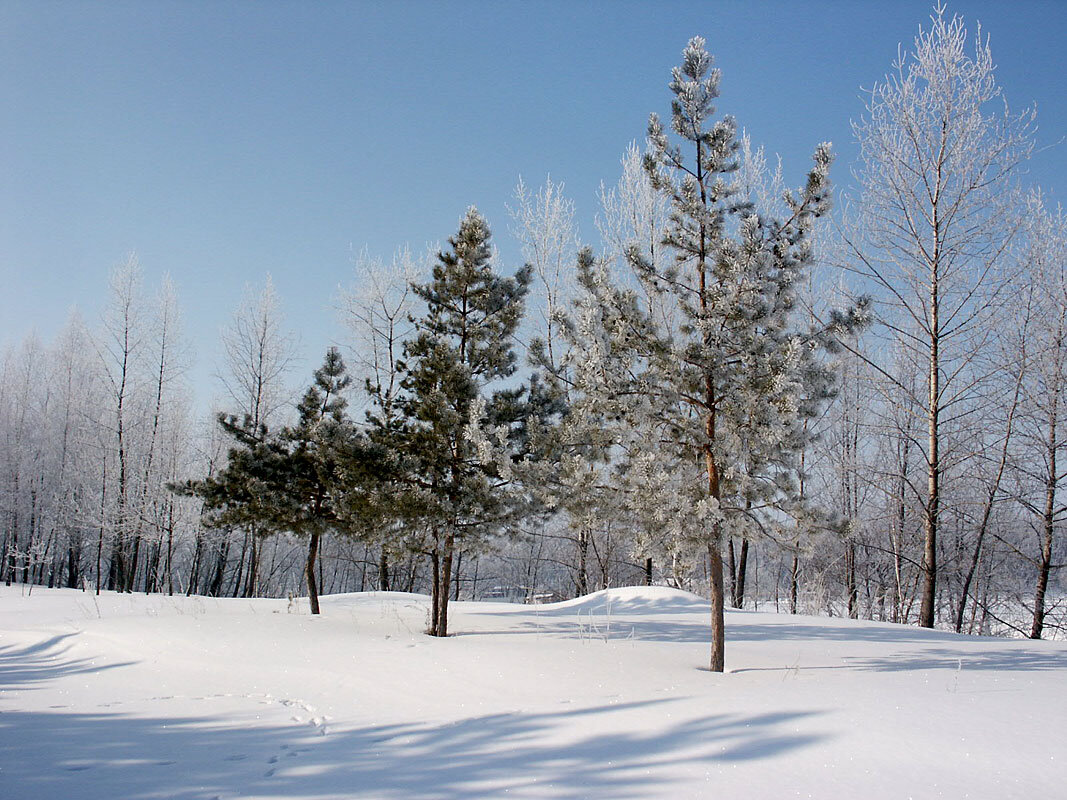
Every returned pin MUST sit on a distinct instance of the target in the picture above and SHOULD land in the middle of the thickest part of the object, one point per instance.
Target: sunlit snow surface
(127, 696)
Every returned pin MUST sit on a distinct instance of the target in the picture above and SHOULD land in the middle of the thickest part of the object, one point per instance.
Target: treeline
(739, 391)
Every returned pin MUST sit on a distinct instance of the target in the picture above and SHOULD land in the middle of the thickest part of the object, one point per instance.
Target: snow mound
(364, 598)
(631, 599)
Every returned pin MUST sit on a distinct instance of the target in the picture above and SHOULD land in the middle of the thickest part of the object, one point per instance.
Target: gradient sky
(225, 140)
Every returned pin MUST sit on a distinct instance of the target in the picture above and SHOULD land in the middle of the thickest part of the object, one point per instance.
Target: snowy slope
(126, 696)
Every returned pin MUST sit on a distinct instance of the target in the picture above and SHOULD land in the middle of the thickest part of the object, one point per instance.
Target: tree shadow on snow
(22, 666)
(834, 629)
(607, 750)
(666, 629)
(971, 652)
(693, 626)
(1006, 660)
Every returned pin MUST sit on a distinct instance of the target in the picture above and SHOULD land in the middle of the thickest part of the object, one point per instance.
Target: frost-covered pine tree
(720, 396)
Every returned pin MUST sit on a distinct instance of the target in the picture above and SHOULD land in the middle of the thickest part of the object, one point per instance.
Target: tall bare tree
(259, 354)
(1045, 401)
(543, 223)
(121, 351)
(934, 224)
(377, 309)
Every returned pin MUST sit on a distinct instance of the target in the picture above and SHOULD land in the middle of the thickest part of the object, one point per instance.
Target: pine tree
(724, 390)
(462, 346)
(301, 480)
(314, 464)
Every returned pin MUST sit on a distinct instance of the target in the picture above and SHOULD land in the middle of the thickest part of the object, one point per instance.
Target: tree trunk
(459, 567)
(718, 621)
(445, 581)
(718, 606)
(215, 589)
(313, 588)
(412, 575)
(73, 565)
(151, 571)
(133, 560)
(240, 566)
(983, 526)
(583, 562)
(194, 567)
(1044, 565)
(435, 596)
(103, 512)
(794, 584)
(116, 570)
(742, 569)
(322, 579)
(731, 570)
(896, 542)
(253, 565)
(933, 465)
(383, 570)
(850, 579)
(170, 553)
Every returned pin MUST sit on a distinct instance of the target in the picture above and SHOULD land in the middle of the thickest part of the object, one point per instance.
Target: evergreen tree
(723, 392)
(314, 464)
(462, 346)
(301, 480)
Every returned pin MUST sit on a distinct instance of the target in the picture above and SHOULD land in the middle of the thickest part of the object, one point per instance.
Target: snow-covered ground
(127, 696)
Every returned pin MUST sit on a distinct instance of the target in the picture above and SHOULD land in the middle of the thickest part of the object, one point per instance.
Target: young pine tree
(300, 480)
(721, 394)
(463, 345)
(315, 464)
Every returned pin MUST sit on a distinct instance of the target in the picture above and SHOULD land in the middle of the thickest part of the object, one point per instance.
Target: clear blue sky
(225, 140)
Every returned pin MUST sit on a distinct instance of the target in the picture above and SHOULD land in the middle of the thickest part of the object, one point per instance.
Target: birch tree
(121, 351)
(543, 223)
(377, 311)
(259, 353)
(1044, 429)
(933, 228)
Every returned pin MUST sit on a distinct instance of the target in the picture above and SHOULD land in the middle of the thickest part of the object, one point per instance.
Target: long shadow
(979, 653)
(621, 626)
(107, 756)
(683, 620)
(23, 666)
(1007, 660)
(605, 750)
(838, 631)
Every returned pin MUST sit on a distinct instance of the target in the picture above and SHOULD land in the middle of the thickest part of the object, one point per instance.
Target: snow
(128, 696)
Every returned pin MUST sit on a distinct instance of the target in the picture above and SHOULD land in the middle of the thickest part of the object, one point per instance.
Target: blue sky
(225, 140)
